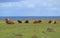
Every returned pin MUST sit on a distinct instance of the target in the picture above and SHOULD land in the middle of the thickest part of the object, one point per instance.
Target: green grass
(28, 30)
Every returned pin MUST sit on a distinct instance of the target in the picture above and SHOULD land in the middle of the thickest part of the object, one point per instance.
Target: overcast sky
(29, 7)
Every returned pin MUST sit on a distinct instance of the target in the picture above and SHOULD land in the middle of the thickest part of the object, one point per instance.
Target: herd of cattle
(8, 21)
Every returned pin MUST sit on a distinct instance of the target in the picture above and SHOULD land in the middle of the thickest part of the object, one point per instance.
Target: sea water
(30, 17)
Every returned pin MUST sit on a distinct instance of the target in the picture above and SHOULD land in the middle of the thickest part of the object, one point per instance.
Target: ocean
(31, 17)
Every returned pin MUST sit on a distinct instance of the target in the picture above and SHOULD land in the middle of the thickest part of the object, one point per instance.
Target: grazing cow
(8, 21)
(19, 21)
(39, 21)
(26, 21)
(50, 22)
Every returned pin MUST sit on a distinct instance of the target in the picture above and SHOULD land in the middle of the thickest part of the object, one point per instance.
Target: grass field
(29, 29)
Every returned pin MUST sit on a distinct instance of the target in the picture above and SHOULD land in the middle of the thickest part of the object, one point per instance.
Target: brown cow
(54, 22)
(11, 22)
(35, 21)
(8, 21)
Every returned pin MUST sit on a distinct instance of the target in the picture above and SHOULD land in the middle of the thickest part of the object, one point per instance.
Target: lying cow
(19, 21)
(26, 21)
(8, 21)
(39, 21)
(50, 22)
(53, 22)
(35, 21)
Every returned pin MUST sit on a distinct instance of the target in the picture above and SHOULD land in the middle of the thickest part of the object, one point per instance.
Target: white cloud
(17, 4)
(30, 7)
(32, 4)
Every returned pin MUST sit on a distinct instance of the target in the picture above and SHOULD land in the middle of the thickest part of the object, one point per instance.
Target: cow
(35, 21)
(26, 21)
(8, 21)
(19, 21)
(53, 22)
(39, 21)
(49, 21)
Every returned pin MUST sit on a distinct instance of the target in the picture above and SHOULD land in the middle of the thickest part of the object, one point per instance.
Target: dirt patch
(17, 34)
(34, 36)
(50, 30)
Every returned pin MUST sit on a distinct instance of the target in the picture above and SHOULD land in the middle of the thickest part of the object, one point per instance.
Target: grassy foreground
(29, 29)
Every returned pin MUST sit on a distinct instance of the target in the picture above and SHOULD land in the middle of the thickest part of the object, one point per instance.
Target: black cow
(19, 21)
(50, 22)
(39, 21)
(26, 21)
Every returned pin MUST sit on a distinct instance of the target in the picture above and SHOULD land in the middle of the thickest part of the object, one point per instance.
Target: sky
(29, 7)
